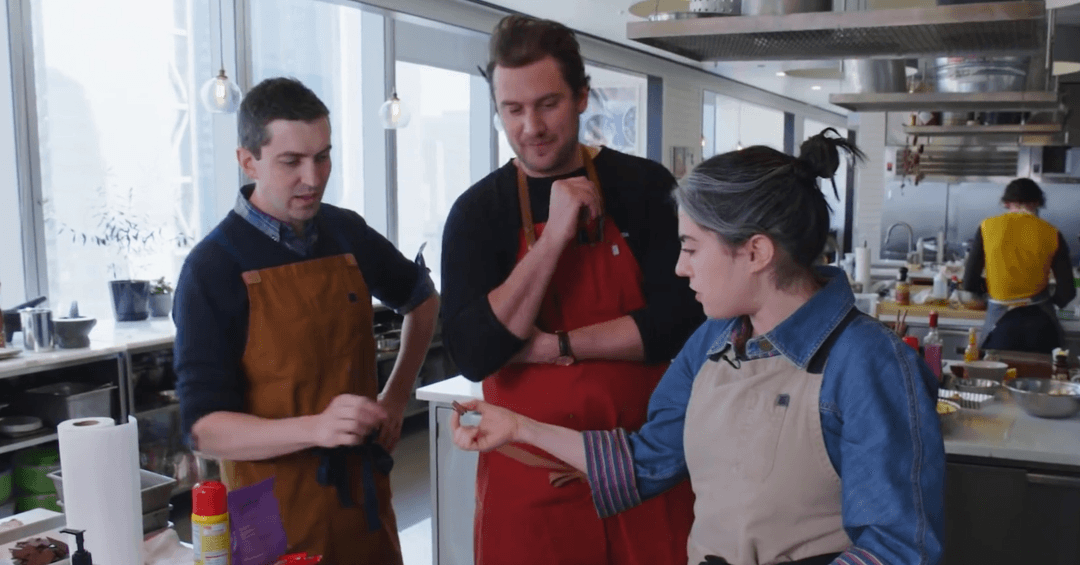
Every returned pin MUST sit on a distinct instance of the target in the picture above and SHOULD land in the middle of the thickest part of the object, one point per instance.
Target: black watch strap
(564, 344)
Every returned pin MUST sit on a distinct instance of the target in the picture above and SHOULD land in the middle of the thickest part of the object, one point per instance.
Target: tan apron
(310, 339)
(766, 491)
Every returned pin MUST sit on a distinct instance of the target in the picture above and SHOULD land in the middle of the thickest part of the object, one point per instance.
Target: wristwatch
(566, 356)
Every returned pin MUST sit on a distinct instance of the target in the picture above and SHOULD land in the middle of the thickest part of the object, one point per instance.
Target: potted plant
(160, 298)
(129, 235)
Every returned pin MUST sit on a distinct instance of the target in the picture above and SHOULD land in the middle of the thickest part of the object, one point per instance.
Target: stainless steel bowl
(948, 413)
(978, 386)
(1045, 398)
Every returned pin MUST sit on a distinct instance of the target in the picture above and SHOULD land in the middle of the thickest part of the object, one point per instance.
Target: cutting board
(888, 309)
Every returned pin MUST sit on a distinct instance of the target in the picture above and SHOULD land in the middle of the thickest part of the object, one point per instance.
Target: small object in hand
(457, 406)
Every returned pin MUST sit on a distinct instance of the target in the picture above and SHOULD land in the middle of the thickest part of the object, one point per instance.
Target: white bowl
(990, 370)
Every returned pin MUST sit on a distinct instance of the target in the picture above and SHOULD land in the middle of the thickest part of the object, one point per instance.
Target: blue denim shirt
(878, 418)
(273, 228)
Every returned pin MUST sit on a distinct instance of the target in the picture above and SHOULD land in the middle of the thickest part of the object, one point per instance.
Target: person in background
(1019, 251)
(560, 295)
(808, 429)
(275, 353)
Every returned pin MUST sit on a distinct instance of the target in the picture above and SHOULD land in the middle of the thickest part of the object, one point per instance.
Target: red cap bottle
(209, 498)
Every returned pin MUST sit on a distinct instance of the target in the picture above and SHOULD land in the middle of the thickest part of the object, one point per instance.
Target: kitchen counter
(1000, 430)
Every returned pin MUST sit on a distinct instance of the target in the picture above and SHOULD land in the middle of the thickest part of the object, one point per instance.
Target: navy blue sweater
(211, 304)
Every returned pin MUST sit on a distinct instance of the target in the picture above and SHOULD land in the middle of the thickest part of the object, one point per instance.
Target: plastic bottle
(80, 556)
(941, 285)
(972, 351)
(903, 288)
(932, 345)
(210, 524)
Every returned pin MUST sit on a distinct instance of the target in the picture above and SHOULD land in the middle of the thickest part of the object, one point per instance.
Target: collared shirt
(273, 228)
(878, 417)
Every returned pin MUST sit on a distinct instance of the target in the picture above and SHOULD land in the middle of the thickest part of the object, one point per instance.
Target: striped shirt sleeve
(610, 466)
(857, 556)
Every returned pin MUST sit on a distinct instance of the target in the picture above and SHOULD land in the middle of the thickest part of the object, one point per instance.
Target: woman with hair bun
(807, 429)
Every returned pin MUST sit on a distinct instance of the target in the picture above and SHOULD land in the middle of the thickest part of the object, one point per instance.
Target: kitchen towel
(99, 464)
(862, 267)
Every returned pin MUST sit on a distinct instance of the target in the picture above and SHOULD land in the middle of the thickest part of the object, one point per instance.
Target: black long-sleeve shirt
(1060, 265)
(481, 240)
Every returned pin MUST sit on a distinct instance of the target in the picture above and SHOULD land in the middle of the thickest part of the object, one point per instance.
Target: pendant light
(219, 94)
(393, 113)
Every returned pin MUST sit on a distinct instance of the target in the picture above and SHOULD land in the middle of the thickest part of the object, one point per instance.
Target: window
(321, 45)
(121, 153)
(730, 124)
(433, 155)
(615, 117)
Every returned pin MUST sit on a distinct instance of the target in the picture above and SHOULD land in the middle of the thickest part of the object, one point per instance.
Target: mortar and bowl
(73, 331)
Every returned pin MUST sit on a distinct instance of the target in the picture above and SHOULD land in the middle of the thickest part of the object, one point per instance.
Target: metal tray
(64, 401)
(156, 489)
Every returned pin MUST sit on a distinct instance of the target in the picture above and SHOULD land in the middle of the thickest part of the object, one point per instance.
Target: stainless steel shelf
(949, 101)
(14, 444)
(997, 28)
(952, 131)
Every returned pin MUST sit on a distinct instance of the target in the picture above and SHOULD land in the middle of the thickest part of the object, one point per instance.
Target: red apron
(310, 338)
(521, 518)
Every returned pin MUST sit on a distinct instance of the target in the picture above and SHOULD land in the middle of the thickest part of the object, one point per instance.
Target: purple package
(255, 528)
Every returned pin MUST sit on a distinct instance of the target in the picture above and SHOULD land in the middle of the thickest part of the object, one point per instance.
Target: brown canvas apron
(766, 490)
(310, 339)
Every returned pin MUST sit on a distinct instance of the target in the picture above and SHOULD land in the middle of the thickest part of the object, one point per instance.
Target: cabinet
(454, 495)
(996, 514)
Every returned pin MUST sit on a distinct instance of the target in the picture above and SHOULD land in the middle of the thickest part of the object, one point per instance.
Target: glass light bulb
(220, 95)
(393, 113)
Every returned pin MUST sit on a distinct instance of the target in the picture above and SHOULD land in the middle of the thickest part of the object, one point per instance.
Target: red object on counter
(298, 559)
(912, 341)
(209, 498)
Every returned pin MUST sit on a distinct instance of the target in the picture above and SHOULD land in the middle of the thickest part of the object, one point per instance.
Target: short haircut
(278, 98)
(519, 40)
(1024, 191)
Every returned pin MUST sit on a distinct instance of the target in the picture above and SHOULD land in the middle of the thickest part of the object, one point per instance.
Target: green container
(46, 501)
(37, 457)
(5, 486)
(33, 480)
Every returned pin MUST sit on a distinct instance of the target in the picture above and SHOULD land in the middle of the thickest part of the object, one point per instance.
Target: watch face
(564, 361)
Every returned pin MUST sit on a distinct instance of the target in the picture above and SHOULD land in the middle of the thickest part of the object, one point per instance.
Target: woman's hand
(498, 426)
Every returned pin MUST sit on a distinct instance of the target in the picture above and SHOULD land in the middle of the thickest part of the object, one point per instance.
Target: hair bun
(820, 154)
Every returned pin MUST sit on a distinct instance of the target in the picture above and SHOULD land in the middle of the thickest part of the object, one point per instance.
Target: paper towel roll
(99, 464)
(862, 267)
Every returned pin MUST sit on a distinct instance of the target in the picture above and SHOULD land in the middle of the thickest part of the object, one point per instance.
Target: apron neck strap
(523, 193)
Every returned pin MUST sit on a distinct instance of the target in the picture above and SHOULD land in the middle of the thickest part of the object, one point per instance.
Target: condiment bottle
(1061, 366)
(903, 288)
(210, 524)
(972, 351)
(932, 345)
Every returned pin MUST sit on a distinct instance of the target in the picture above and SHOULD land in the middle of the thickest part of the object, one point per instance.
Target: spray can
(210, 524)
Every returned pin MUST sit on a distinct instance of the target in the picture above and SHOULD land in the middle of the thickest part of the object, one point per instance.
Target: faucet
(910, 236)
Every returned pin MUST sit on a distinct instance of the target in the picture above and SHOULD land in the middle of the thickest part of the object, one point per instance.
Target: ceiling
(814, 82)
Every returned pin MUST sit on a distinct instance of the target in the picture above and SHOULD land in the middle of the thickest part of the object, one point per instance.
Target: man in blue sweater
(275, 353)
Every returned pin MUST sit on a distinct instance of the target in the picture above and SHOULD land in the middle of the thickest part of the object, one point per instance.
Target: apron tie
(334, 472)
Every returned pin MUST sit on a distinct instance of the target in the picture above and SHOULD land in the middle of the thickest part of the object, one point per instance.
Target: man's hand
(390, 432)
(569, 197)
(541, 347)
(348, 420)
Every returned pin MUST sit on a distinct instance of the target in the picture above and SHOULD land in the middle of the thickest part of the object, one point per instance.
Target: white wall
(869, 181)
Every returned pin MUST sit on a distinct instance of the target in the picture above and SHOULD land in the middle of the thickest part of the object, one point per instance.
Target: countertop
(107, 339)
(1000, 430)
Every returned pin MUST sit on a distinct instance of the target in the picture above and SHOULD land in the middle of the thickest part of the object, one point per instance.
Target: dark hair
(519, 40)
(1024, 191)
(275, 99)
(760, 190)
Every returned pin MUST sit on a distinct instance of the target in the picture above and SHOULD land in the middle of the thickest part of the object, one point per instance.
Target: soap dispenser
(81, 556)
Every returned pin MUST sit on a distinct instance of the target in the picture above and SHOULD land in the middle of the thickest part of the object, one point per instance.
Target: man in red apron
(560, 294)
(275, 352)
